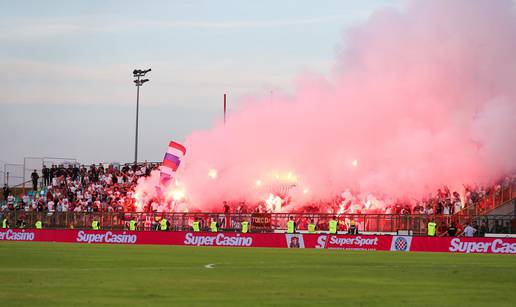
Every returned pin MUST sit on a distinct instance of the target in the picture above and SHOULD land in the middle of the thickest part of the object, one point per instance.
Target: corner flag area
(61, 274)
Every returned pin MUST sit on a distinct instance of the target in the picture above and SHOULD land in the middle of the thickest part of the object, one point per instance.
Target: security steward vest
(4, 224)
(95, 225)
(311, 228)
(333, 226)
(213, 226)
(431, 229)
(39, 225)
(290, 226)
(196, 227)
(163, 225)
(132, 225)
(245, 227)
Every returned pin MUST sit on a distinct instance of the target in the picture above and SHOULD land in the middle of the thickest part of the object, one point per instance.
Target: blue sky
(67, 85)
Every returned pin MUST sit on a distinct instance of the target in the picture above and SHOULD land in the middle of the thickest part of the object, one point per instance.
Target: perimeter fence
(259, 222)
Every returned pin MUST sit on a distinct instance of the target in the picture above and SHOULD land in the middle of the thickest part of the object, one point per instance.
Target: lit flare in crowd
(212, 173)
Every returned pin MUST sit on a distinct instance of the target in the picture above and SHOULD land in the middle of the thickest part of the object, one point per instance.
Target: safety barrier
(275, 240)
(492, 201)
(259, 222)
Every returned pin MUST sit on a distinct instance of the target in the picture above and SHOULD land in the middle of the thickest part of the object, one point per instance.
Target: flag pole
(224, 109)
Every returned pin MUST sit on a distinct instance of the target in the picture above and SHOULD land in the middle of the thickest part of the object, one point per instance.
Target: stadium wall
(275, 240)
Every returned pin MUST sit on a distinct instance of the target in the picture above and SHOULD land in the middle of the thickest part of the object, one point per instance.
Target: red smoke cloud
(418, 98)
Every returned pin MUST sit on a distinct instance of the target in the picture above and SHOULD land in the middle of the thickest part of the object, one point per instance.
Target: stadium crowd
(80, 189)
(99, 188)
(443, 202)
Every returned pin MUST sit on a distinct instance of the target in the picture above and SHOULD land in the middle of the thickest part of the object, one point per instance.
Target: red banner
(230, 239)
(348, 242)
(146, 237)
(464, 245)
(261, 222)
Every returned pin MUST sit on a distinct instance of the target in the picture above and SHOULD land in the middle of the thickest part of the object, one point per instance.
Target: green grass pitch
(60, 274)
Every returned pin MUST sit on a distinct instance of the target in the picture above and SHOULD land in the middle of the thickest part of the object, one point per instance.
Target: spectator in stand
(27, 202)
(439, 208)
(452, 230)
(83, 175)
(442, 229)
(34, 176)
(352, 230)
(20, 222)
(419, 208)
(52, 172)
(447, 208)
(457, 202)
(482, 230)
(468, 231)
(10, 201)
(6, 191)
(46, 175)
(429, 210)
(75, 172)
(475, 225)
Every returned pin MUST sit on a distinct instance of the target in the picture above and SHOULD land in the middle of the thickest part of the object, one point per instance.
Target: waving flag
(171, 161)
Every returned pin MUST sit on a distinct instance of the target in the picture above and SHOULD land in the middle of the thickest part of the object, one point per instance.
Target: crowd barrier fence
(414, 224)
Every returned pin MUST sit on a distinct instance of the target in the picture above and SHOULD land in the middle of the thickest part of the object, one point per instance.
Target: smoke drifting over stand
(418, 98)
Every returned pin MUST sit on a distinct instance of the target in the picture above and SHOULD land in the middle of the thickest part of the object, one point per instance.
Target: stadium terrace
(72, 197)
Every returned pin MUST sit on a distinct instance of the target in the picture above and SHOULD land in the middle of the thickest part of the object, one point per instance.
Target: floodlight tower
(138, 73)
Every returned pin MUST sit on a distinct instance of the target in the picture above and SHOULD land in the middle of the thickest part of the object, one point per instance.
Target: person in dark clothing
(353, 230)
(58, 172)
(35, 178)
(75, 172)
(52, 172)
(83, 173)
(440, 208)
(6, 191)
(46, 175)
(20, 222)
(482, 230)
(452, 230)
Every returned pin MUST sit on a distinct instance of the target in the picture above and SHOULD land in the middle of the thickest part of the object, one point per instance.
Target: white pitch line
(210, 266)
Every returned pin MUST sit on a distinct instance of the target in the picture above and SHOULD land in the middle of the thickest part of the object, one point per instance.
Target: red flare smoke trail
(419, 98)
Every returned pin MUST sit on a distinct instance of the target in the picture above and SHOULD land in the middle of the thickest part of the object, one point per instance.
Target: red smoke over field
(418, 98)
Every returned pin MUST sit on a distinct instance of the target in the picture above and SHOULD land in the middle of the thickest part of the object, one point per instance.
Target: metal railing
(491, 202)
(260, 222)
